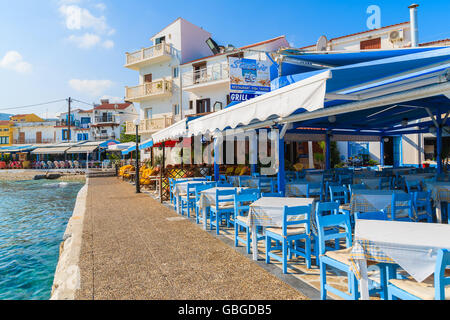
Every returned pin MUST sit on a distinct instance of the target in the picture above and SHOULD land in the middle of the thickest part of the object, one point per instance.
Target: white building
(108, 119)
(40, 132)
(80, 121)
(158, 92)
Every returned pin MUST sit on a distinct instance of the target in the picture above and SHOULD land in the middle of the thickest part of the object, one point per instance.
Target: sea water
(33, 218)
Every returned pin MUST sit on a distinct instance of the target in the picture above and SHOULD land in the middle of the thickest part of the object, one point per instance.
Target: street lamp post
(138, 184)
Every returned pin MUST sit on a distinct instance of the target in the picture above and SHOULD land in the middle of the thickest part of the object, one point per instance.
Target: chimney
(104, 101)
(413, 25)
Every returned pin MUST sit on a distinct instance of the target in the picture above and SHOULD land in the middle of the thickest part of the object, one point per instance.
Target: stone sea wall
(67, 276)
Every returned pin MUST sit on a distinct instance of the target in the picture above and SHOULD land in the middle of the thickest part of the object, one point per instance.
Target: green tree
(126, 137)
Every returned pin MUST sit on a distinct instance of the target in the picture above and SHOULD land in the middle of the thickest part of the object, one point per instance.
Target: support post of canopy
(382, 151)
(439, 149)
(281, 169)
(327, 151)
(253, 153)
(216, 160)
(163, 164)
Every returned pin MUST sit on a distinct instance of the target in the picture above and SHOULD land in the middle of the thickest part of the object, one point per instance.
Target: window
(200, 71)
(175, 72)
(356, 149)
(176, 109)
(203, 105)
(160, 40)
(149, 113)
(85, 136)
(148, 78)
(65, 134)
(217, 106)
(4, 140)
(191, 105)
(371, 44)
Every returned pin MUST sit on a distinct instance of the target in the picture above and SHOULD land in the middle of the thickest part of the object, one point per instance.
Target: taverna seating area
(350, 233)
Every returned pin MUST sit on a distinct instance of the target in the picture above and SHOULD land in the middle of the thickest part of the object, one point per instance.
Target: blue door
(397, 151)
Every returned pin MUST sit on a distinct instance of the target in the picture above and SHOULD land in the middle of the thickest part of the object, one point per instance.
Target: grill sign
(239, 97)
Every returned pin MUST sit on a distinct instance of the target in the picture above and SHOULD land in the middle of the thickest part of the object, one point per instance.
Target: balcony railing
(105, 119)
(149, 90)
(33, 141)
(149, 125)
(209, 74)
(74, 124)
(148, 54)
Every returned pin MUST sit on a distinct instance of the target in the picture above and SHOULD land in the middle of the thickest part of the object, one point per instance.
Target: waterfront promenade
(135, 248)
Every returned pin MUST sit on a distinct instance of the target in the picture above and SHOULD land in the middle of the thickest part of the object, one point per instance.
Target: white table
(268, 212)
(411, 245)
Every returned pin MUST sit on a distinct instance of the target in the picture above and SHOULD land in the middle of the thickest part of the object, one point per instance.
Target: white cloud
(93, 88)
(108, 44)
(77, 18)
(13, 60)
(101, 6)
(86, 41)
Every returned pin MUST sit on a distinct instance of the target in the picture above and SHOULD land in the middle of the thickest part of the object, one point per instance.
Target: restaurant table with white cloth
(268, 212)
(411, 245)
(208, 199)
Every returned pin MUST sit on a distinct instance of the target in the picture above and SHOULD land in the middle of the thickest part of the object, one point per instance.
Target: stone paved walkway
(132, 249)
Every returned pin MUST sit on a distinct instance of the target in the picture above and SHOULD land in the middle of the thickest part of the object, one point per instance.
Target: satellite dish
(322, 44)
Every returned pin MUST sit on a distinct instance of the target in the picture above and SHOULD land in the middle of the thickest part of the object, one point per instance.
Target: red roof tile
(112, 106)
(434, 42)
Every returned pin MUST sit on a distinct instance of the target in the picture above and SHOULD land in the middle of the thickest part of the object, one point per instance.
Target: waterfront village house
(6, 133)
(80, 121)
(180, 57)
(413, 149)
(108, 119)
(32, 129)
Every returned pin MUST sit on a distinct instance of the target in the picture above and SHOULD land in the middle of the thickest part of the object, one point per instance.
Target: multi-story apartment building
(207, 80)
(6, 133)
(108, 119)
(159, 91)
(80, 121)
(32, 129)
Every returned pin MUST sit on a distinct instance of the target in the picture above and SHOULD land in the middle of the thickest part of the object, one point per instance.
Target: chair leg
(285, 253)
(236, 234)
(268, 244)
(383, 281)
(354, 287)
(249, 239)
(308, 252)
(323, 281)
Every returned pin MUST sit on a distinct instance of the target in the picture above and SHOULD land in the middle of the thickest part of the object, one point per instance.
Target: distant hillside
(5, 116)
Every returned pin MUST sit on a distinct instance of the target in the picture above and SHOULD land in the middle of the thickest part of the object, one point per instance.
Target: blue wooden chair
(291, 237)
(267, 184)
(339, 194)
(402, 207)
(422, 206)
(413, 186)
(198, 193)
(271, 195)
(242, 203)
(172, 183)
(345, 180)
(374, 215)
(433, 288)
(243, 180)
(324, 209)
(251, 191)
(328, 184)
(314, 190)
(223, 208)
(187, 201)
(339, 259)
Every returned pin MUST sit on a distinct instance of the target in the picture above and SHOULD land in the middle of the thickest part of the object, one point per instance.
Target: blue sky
(47, 55)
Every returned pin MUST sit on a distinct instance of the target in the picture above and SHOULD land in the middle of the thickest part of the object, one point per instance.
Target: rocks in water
(47, 176)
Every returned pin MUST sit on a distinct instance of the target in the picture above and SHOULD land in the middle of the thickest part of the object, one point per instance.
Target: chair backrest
(360, 186)
(339, 193)
(332, 223)
(242, 202)
(385, 183)
(345, 179)
(413, 186)
(250, 191)
(221, 184)
(422, 204)
(272, 195)
(326, 208)
(313, 189)
(224, 196)
(375, 215)
(242, 180)
(202, 187)
(295, 216)
(441, 279)
(401, 202)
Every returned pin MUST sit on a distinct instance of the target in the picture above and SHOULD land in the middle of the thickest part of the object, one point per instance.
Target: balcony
(146, 56)
(149, 125)
(211, 75)
(150, 90)
(105, 119)
(33, 141)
